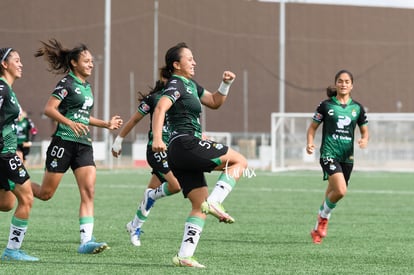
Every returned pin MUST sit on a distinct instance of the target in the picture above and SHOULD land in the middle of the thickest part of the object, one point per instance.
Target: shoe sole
(207, 208)
(182, 263)
(313, 236)
(100, 249)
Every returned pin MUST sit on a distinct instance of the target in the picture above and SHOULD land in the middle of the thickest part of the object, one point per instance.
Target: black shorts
(189, 157)
(12, 171)
(62, 154)
(331, 166)
(158, 162)
(25, 150)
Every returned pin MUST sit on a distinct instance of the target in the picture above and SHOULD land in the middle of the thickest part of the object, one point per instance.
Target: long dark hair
(58, 57)
(331, 91)
(173, 54)
(344, 72)
(4, 56)
(159, 85)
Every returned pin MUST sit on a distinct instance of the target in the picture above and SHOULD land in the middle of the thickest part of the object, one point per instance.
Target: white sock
(192, 231)
(16, 236)
(86, 229)
(159, 192)
(220, 192)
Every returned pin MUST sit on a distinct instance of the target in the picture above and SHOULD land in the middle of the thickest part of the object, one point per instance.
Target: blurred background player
(163, 182)
(26, 132)
(340, 115)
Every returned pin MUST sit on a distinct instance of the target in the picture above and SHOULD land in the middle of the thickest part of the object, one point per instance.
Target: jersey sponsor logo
(88, 103)
(1, 100)
(176, 95)
(145, 107)
(343, 121)
(63, 80)
(318, 116)
(188, 90)
(331, 112)
(78, 91)
(63, 93)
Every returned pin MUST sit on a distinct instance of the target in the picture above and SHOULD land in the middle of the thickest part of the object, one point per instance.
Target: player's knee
(44, 196)
(6, 206)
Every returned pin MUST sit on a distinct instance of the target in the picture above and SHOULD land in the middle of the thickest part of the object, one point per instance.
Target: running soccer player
(189, 155)
(26, 131)
(70, 106)
(14, 178)
(340, 115)
(162, 183)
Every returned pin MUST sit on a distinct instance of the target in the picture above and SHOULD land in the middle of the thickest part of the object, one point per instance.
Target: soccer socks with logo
(192, 231)
(18, 228)
(326, 208)
(155, 194)
(223, 187)
(160, 192)
(86, 229)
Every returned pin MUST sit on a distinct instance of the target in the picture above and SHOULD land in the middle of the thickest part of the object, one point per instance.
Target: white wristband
(117, 146)
(224, 87)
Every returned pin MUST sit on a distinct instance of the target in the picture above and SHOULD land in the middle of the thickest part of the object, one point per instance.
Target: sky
(408, 4)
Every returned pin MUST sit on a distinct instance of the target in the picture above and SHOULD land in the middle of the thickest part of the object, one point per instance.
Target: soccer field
(370, 232)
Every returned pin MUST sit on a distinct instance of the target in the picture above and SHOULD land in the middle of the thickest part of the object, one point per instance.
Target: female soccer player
(340, 115)
(70, 106)
(26, 131)
(14, 178)
(189, 155)
(163, 182)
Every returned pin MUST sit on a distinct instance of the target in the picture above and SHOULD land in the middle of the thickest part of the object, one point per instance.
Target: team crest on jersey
(54, 163)
(22, 172)
(353, 113)
(218, 146)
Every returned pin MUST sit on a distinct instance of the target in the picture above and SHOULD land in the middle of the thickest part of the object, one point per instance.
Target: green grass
(371, 230)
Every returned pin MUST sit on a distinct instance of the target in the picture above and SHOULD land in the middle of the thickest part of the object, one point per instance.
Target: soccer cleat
(147, 202)
(17, 255)
(187, 261)
(134, 233)
(322, 227)
(315, 237)
(217, 210)
(92, 247)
